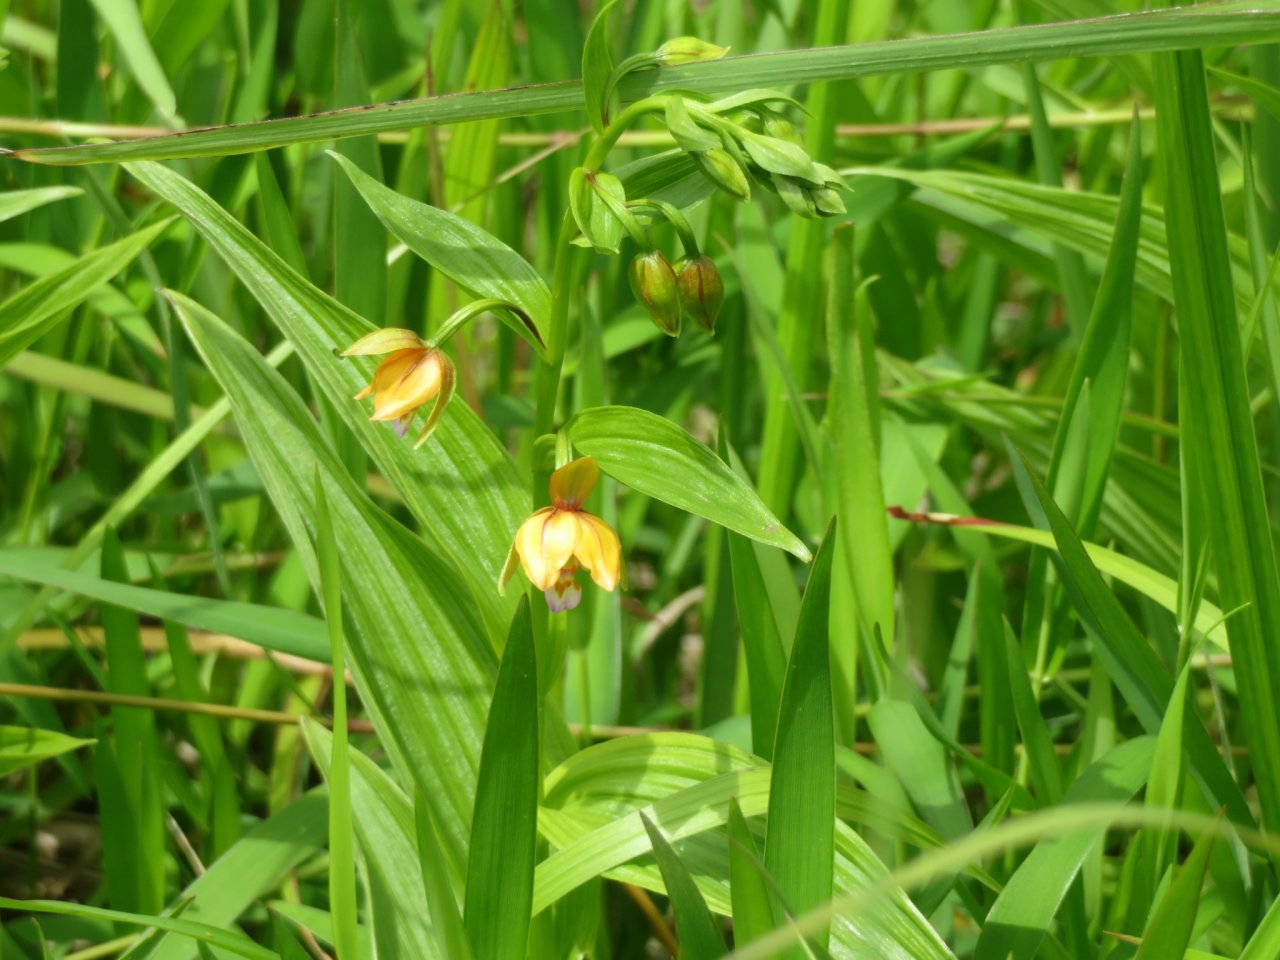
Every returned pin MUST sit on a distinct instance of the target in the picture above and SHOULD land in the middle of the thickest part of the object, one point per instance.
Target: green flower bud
(654, 284)
(688, 50)
(720, 168)
(779, 127)
(701, 291)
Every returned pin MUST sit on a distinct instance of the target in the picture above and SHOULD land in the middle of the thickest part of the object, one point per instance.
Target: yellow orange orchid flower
(556, 541)
(412, 374)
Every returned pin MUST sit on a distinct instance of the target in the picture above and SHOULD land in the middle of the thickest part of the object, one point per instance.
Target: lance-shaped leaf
(472, 257)
(651, 454)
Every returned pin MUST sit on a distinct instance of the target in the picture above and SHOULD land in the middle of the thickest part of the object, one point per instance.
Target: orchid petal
(573, 483)
(419, 383)
(387, 340)
(599, 551)
(448, 380)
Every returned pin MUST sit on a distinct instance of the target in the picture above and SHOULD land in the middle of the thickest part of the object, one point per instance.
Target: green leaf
(700, 937)
(853, 419)
(285, 631)
(255, 866)
(442, 905)
(419, 651)
(22, 747)
(748, 889)
(654, 456)
(1169, 932)
(597, 69)
(600, 229)
(473, 258)
(124, 20)
(765, 657)
(799, 838)
(921, 765)
(1224, 453)
(342, 854)
(685, 782)
(1265, 942)
(504, 827)
(1132, 664)
(235, 943)
(1021, 915)
(1218, 25)
(384, 827)
(470, 517)
(37, 307)
(14, 203)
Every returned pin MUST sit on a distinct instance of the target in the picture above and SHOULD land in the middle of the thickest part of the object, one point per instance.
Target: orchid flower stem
(674, 217)
(548, 377)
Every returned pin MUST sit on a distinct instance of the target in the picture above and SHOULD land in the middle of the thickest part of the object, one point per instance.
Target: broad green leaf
(686, 786)
(22, 747)
(504, 828)
(285, 631)
(37, 307)
(419, 652)
(471, 516)
(1025, 908)
(654, 456)
(442, 904)
(1219, 25)
(473, 258)
(700, 938)
(384, 827)
(799, 837)
(254, 867)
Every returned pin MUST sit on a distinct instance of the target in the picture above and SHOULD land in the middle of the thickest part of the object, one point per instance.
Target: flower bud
(687, 50)
(654, 284)
(720, 168)
(701, 291)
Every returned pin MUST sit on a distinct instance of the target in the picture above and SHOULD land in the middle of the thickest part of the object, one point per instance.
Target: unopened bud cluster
(692, 286)
(743, 140)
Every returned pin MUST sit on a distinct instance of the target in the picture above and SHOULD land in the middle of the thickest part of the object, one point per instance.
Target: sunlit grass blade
(33, 310)
(342, 854)
(234, 943)
(1226, 449)
(853, 425)
(1216, 25)
(1022, 914)
(253, 867)
(799, 835)
(287, 631)
(22, 747)
(383, 819)
(1172, 923)
(504, 827)
(700, 938)
(752, 902)
(1133, 665)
